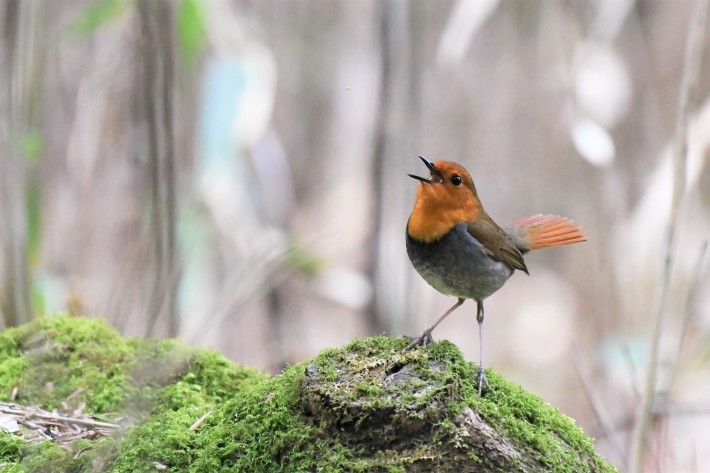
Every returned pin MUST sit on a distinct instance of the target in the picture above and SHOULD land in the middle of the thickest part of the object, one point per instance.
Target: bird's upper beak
(432, 170)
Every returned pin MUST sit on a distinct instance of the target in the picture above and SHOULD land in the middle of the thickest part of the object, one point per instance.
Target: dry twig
(58, 418)
(199, 421)
(38, 424)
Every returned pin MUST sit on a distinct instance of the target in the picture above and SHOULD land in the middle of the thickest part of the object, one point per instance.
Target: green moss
(186, 376)
(10, 448)
(82, 360)
(97, 455)
(11, 370)
(276, 427)
(253, 432)
(364, 407)
(209, 378)
(261, 432)
(526, 418)
(439, 385)
(46, 457)
(54, 358)
(165, 438)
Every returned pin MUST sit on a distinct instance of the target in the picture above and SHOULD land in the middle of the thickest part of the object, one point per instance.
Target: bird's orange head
(444, 199)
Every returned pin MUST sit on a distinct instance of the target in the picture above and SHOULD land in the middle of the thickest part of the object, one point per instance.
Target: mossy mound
(370, 407)
(364, 407)
(84, 360)
(69, 363)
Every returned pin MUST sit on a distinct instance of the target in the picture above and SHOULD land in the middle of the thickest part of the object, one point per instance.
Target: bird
(459, 250)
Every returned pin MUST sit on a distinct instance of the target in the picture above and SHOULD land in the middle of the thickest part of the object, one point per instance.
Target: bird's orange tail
(541, 231)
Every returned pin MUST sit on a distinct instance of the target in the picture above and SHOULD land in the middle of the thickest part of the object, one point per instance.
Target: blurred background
(233, 173)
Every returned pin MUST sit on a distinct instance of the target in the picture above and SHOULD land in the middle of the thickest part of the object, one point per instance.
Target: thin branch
(679, 147)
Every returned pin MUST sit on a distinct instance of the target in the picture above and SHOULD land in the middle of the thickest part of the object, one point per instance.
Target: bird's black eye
(456, 180)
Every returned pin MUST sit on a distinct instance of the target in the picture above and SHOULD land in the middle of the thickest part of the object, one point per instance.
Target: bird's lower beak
(432, 170)
(419, 178)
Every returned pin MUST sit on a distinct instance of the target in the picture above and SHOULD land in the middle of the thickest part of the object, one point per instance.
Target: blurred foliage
(303, 260)
(98, 14)
(34, 215)
(191, 29)
(33, 145)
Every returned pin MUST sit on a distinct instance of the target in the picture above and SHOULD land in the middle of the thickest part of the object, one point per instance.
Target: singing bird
(460, 251)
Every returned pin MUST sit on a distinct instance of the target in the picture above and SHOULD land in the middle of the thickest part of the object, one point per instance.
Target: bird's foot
(424, 340)
(482, 380)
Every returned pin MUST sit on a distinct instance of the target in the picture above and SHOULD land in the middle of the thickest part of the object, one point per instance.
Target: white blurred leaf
(602, 85)
(345, 286)
(593, 142)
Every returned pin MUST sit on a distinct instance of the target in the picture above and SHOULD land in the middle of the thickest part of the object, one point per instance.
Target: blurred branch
(395, 124)
(250, 284)
(633, 372)
(597, 405)
(660, 409)
(464, 21)
(679, 151)
(14, 64)
(157, 26)
(688, 312)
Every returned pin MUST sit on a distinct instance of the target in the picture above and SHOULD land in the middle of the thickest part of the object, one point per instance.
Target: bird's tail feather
(542, 231)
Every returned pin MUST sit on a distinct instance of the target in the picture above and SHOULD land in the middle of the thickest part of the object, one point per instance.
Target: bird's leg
(481, 374)
(426, 339)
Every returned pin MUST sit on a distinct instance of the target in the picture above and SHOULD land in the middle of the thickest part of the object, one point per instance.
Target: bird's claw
(424, 340)
(482, 380)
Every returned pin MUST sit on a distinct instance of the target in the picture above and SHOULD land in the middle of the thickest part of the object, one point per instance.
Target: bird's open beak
(420, 178)
(432, 170)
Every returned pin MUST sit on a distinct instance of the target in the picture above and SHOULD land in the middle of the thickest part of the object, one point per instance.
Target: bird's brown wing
(497, 243)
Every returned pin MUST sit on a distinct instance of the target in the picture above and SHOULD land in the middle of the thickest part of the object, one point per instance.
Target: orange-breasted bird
(460, 251)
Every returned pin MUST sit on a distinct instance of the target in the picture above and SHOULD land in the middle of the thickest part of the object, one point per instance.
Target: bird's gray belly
(457, 265)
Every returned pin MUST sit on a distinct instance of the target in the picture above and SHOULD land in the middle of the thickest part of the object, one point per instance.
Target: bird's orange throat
(437, 210)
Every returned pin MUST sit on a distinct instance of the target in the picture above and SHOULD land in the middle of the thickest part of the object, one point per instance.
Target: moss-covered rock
(69, 363)
(364, 407)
